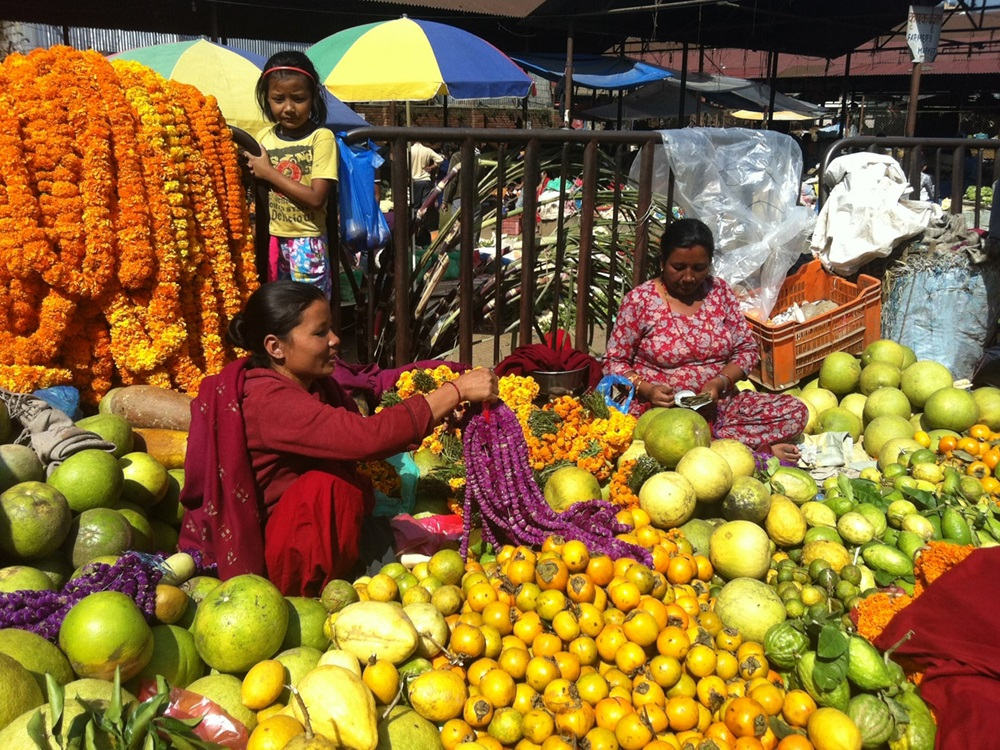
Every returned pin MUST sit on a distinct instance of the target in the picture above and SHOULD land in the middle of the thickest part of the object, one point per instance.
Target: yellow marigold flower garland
(124, 231)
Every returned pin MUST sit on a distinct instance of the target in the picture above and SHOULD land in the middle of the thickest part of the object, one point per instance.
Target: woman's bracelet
(457, 390)
(635, 379)
(726, 381)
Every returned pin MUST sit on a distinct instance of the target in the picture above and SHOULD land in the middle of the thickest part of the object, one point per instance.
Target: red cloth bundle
(527, 359)
(956, 642)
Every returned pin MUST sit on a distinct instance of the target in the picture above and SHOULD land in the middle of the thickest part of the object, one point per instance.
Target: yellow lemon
(274, 733)
(382, 678)
(263, 684)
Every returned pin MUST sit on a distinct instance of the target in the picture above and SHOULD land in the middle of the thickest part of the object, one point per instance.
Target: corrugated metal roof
(505, 8)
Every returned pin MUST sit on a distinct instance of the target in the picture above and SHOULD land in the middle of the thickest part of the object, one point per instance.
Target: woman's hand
(658, 395)
(788, 452)
(478, 385)
(714, 388)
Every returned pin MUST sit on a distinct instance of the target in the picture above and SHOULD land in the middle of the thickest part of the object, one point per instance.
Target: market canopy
(593, 71)
(657, 101)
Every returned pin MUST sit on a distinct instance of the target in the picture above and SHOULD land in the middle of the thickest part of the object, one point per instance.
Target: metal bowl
(562, 382)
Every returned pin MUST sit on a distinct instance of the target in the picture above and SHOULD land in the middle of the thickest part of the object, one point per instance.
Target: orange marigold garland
(125, 246)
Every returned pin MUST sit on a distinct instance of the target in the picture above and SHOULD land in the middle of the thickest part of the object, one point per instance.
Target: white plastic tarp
(866, 215)
(744, 184)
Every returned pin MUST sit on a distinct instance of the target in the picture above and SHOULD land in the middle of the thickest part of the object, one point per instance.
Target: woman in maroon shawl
(272, 485)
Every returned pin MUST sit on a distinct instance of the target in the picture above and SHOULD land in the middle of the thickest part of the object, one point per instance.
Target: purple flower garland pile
(501, 490)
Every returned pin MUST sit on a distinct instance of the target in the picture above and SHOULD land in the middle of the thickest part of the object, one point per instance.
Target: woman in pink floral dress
(684, 331)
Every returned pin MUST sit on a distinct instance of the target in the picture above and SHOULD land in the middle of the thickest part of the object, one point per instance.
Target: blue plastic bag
(607, 389)
(65, 398)
(363, 227)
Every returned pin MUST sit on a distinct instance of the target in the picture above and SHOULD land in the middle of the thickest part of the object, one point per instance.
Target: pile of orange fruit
(562, 649)
(980, 443)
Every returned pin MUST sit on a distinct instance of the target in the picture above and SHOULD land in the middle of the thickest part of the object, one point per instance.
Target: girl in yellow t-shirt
(299, 160)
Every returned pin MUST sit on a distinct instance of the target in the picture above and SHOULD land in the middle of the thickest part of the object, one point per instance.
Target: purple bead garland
(42, 612)
(499, 486)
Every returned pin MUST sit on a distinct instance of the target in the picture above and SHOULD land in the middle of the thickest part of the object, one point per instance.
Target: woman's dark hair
(292, 59)
(274, 309)
(686, 233)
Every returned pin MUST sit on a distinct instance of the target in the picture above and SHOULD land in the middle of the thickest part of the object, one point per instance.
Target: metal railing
(513, 152)
(946, 159)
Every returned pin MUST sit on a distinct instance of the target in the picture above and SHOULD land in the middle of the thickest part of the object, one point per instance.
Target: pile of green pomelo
(785, 552)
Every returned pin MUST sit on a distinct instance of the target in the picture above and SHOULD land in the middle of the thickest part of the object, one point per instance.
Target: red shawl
(527, 359)
(223, 519)
(956, 642)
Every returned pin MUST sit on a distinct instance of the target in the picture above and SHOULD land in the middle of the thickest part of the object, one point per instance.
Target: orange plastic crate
(792, 351)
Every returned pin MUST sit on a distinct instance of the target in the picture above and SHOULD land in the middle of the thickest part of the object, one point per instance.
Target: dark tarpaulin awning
(593, 71)
(656, 101)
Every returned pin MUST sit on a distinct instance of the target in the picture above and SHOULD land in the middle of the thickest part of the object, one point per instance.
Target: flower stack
(125, 242)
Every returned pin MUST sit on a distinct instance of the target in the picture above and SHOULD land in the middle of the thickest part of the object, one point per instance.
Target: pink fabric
(686, 351)
(223, 516)
(273, 253)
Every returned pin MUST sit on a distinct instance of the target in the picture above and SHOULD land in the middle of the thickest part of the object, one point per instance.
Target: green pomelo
(569, 485)
(738, 456)
(988, 401)
(305, 624)
(747, 500)
(698, 531)
(893, 447)
(427, 460)
(951, 409)
(909, 357)
(885, 351)
(750, 606)
(404, 727)
(24, 578)
(145, 479)
(224, 689)
(854, 403)
(668, 498)
(104, 631)
(240, 622)
(813, 419)
(19, 463)
(821, 399)
(165, 536)
(56, 567)
(104, 405)
(740, 549)
(839, 419)
(795, 484)
(673, 433)
(20, 691)
(89, 479)
(708, 472)
(840, 373)
(337, 594)
(97, 532)
(34, 520)
(814, 383)
(142, 529)
(855, 528)
(882, 429)
(922, 378)
(886, 402)
(37, 655)
(298, 662)
(175, 657)
(879, 375)
(113, 428)
(169, 509)
(639, 431)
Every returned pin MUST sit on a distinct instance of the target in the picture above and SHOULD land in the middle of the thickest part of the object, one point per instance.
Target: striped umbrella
(411, 60)
(230, 75)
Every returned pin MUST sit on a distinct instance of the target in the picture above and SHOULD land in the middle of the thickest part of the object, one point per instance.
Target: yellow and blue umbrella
(230, 75)
(413, 60)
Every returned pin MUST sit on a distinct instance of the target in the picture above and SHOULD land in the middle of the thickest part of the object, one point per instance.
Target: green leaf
(967, 457)
(920, 498)
(829, 674)
(866, 491)
(36, 729)
(781, 729)
(897, 710)
(832, 642)
(844, 485)
(90, 736)
(138, 725)
(57, 698)
(114, 709)
(883, 577)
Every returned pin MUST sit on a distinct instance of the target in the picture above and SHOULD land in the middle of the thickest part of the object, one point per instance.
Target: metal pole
(583, 271)
(911, 110)
(773, 75)
(401, 239)
(701, 71)
(843, 99)
(568, 79)
(530, 201)
(444, 114)
(642, 211)
(684, 81)
(470, 199)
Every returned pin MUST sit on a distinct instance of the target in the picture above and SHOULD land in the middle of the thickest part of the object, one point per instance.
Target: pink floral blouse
(681, 351)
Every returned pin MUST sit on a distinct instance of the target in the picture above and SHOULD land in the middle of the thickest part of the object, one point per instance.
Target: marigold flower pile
(125, 243)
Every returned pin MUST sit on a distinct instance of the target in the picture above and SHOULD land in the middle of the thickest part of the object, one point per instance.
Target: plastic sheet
(426, 536)
(216, 725)
(409, 474)
(744, 184)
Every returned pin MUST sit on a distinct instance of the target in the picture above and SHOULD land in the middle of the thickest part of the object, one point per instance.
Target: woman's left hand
(714, 388)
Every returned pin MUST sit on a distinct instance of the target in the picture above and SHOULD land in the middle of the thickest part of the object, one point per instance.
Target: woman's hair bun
(236, 333)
